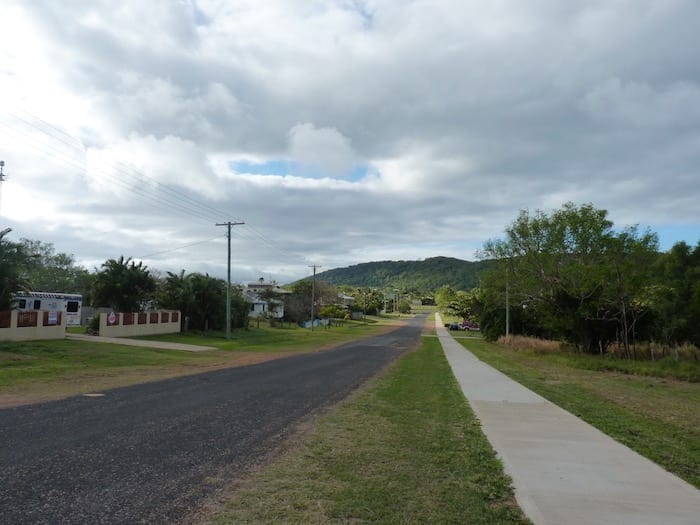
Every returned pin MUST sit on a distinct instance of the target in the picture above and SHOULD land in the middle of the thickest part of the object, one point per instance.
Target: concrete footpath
(565, 471)
(139, 342)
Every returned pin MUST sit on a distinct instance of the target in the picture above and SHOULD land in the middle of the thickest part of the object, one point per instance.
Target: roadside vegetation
(652, 407)
(124, 285)
(405, 449)
(261, 337)
(682, 363)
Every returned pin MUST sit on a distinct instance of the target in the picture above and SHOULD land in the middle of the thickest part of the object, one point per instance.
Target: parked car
(469, 326)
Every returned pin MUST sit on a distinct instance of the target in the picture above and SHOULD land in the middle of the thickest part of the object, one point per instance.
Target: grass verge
(263, 338)
(657, 417)
(406, 449)
(33, 371)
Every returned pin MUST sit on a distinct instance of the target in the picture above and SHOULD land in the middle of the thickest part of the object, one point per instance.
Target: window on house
(72, 307)
(37, 304)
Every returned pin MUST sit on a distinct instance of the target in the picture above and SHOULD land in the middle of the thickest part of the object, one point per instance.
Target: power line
(70, 151)
(172, 197)
(180, 247)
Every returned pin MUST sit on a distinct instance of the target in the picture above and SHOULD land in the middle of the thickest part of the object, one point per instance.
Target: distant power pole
(313, 293)
(228, 278)
(507, 304)
(2, 176)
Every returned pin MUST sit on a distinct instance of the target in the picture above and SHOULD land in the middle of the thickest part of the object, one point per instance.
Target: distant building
(260, 306)
(345, 300)
(262, 286)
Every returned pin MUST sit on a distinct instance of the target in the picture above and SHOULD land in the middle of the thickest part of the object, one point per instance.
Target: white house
(346, 300)
(260, 307)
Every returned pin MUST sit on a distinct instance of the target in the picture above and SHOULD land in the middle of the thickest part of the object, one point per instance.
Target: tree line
(411, 277)
(571, 275)
(125, 285)
(568, 275)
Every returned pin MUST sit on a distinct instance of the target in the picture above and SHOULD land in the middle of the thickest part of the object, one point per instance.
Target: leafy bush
(332, 311)
(94, 323)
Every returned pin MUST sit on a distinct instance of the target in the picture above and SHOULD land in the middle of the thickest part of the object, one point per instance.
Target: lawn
(659, 417)
(263, 338)
(405, 449)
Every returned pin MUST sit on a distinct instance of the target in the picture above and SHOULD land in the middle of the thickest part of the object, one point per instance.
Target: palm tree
(123, 285)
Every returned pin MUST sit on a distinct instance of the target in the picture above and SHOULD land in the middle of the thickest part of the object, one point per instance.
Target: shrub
(94, 324)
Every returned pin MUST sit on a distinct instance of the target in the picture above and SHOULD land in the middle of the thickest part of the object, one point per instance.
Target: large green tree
(463, 305)
(368, 300)
(202, 299)
(123, 285)
(175, 292)
(676, 298)
(13, 260)
(297, 305)
(49, 271)
(444, 297)
(575, 275)
(209, 301)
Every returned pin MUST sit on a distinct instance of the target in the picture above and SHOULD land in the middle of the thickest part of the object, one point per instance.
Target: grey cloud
(463, 111)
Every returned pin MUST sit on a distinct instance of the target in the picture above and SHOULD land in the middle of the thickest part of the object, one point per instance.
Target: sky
(340, 131)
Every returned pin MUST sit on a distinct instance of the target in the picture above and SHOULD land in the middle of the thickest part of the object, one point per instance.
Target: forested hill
(409, 276)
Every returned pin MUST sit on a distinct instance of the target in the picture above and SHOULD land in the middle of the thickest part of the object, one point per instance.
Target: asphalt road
(152, 453)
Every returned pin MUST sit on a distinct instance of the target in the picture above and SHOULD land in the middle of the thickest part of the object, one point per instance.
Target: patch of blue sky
(358, 173)
(271, 167)
(362, 9)
(200, 18)
(287, 167)
(674, 233)
(355, 174)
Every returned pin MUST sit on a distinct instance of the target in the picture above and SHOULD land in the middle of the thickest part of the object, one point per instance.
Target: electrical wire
(173, 196)
(165, 202)
(169, 198)
(181, 247)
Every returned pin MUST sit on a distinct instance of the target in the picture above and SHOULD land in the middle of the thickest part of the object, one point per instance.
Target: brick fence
(31, 325)
(139, 323)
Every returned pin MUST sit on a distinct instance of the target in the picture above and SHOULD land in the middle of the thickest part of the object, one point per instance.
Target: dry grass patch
(521, 342)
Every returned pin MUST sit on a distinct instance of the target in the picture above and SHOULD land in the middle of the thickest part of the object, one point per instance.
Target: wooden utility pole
(228, 276)
(313, 293)
(2, 176)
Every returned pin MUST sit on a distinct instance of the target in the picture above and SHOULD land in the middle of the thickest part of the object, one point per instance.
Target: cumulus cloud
(341, 131)
(325, 150)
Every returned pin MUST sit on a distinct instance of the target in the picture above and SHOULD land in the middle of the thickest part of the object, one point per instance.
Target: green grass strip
(406, 449)
(38, 361)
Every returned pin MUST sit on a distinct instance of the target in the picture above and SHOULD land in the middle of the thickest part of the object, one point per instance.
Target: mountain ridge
(425, 275)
